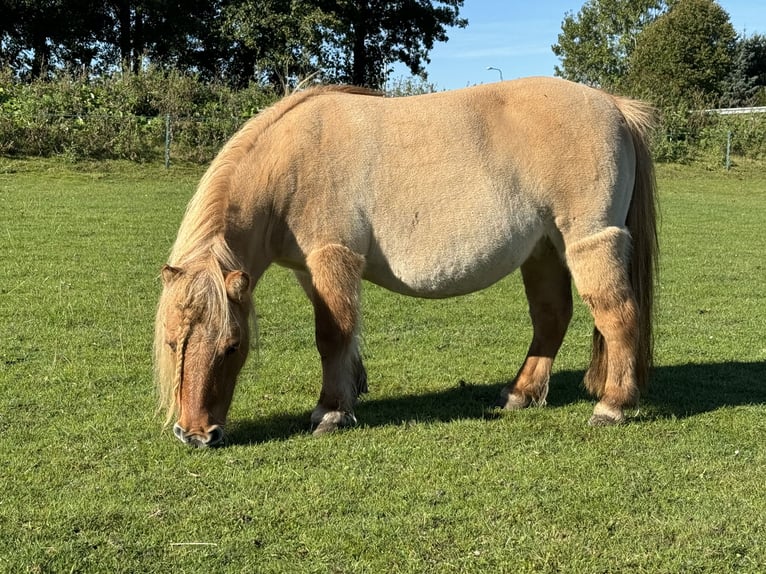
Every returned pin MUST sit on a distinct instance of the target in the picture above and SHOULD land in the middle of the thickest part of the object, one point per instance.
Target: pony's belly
(447, 275)
(442, 283)
(455, 244)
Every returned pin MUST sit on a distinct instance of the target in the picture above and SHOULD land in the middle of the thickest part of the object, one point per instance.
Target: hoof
(511, 401)
(324, 421)
(605, 416)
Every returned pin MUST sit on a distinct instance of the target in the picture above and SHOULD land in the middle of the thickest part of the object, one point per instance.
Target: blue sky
(516, 36)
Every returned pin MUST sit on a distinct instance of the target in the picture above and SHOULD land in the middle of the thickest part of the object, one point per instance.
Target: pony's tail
(642, 225)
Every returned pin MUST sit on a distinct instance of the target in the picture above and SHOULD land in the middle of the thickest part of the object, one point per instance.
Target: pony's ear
(169, 273)
(237, 286)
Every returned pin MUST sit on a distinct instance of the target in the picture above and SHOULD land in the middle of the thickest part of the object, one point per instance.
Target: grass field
(431, 481)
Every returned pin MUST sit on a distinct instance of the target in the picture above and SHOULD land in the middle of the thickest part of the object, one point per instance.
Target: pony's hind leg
(599, 266)
(549, 293)
(336, 274)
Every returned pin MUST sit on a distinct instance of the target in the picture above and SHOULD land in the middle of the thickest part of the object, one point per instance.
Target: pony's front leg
(336, 275)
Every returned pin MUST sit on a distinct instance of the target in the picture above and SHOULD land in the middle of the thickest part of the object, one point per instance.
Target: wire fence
(117, 136)
(170, 138)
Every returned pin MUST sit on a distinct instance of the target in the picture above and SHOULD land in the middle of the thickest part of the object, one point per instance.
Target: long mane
(200, 249)
(205, 215)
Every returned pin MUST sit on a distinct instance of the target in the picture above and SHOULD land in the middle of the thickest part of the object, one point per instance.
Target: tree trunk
(359, 64)
(42, 55)
(123, 17)
(138, 40)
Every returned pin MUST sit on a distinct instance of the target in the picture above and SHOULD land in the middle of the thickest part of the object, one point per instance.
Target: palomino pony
(429, 196)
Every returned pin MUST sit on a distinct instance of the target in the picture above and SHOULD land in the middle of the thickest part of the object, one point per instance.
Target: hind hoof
(606, 416)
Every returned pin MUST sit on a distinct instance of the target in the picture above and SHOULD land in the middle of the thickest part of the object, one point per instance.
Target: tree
(273, 41)
(375, 33)
(685, 56)
(277, 42)
(746, 84)
(99, 34)
(33, 39)
(595, 45)
(169, 33)
(352, 41)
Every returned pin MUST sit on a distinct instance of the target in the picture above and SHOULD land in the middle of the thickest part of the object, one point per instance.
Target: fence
(714, 137)
(760, 126)
(116, 136)
(735, 111)
(730, 133)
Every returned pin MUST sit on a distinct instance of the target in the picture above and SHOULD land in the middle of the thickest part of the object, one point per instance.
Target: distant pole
(167, 141)
(728, 151)
(497, 70)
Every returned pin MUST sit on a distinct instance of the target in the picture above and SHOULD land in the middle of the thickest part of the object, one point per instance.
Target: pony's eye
(231, 349)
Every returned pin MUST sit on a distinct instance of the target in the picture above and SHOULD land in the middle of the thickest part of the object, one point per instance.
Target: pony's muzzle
(213, 436)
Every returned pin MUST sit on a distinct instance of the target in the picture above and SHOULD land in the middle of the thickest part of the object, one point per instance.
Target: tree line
(96, 79)
(272, 42)
(668, 51)
(675, 53)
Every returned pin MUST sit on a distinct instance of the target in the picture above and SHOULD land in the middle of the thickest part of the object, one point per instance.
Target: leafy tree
(37, 36)
(274, 41)
(595, 44)
(351, 41)
(11, 43)
(169, 33)
(374, 33)
(685, 56)
(33, 38)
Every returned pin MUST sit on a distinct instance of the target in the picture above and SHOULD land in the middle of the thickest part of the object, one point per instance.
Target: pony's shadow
(678, 391)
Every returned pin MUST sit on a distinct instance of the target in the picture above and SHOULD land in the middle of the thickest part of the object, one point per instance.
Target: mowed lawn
(432, 480)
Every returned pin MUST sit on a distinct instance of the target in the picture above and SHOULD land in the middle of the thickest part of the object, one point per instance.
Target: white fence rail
(733, 111)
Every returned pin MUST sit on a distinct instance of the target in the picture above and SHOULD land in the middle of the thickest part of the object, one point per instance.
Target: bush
(408, 86)
(686, 136)
(671, 142)
(748, 134)
(122, 116)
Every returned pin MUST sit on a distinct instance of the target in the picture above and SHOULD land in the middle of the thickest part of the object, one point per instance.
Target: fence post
(167, 141)
(728, 150)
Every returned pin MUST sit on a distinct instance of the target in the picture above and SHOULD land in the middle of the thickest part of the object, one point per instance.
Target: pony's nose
(213, 436)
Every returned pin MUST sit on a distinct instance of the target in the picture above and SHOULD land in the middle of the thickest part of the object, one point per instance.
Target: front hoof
(511, 401)
(606, 416)
(325, 421)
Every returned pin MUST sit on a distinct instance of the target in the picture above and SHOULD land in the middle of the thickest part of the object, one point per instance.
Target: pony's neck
(246, 219)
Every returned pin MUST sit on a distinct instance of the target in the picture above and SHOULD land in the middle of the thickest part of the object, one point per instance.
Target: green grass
(431, 481)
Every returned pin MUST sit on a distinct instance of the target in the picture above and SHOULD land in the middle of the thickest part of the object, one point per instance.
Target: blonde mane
(201, 252)
(205, 217)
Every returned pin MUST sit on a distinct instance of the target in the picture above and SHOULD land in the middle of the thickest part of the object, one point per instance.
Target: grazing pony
(429, 196)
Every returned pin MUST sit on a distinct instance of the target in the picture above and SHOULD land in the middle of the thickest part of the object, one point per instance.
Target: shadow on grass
(277, 427)
(678, 391)
(686, 390)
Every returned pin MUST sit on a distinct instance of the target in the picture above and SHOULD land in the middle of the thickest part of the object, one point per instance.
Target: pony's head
(201, 342)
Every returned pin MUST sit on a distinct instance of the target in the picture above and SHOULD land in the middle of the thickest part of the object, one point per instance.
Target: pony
(429, 196)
